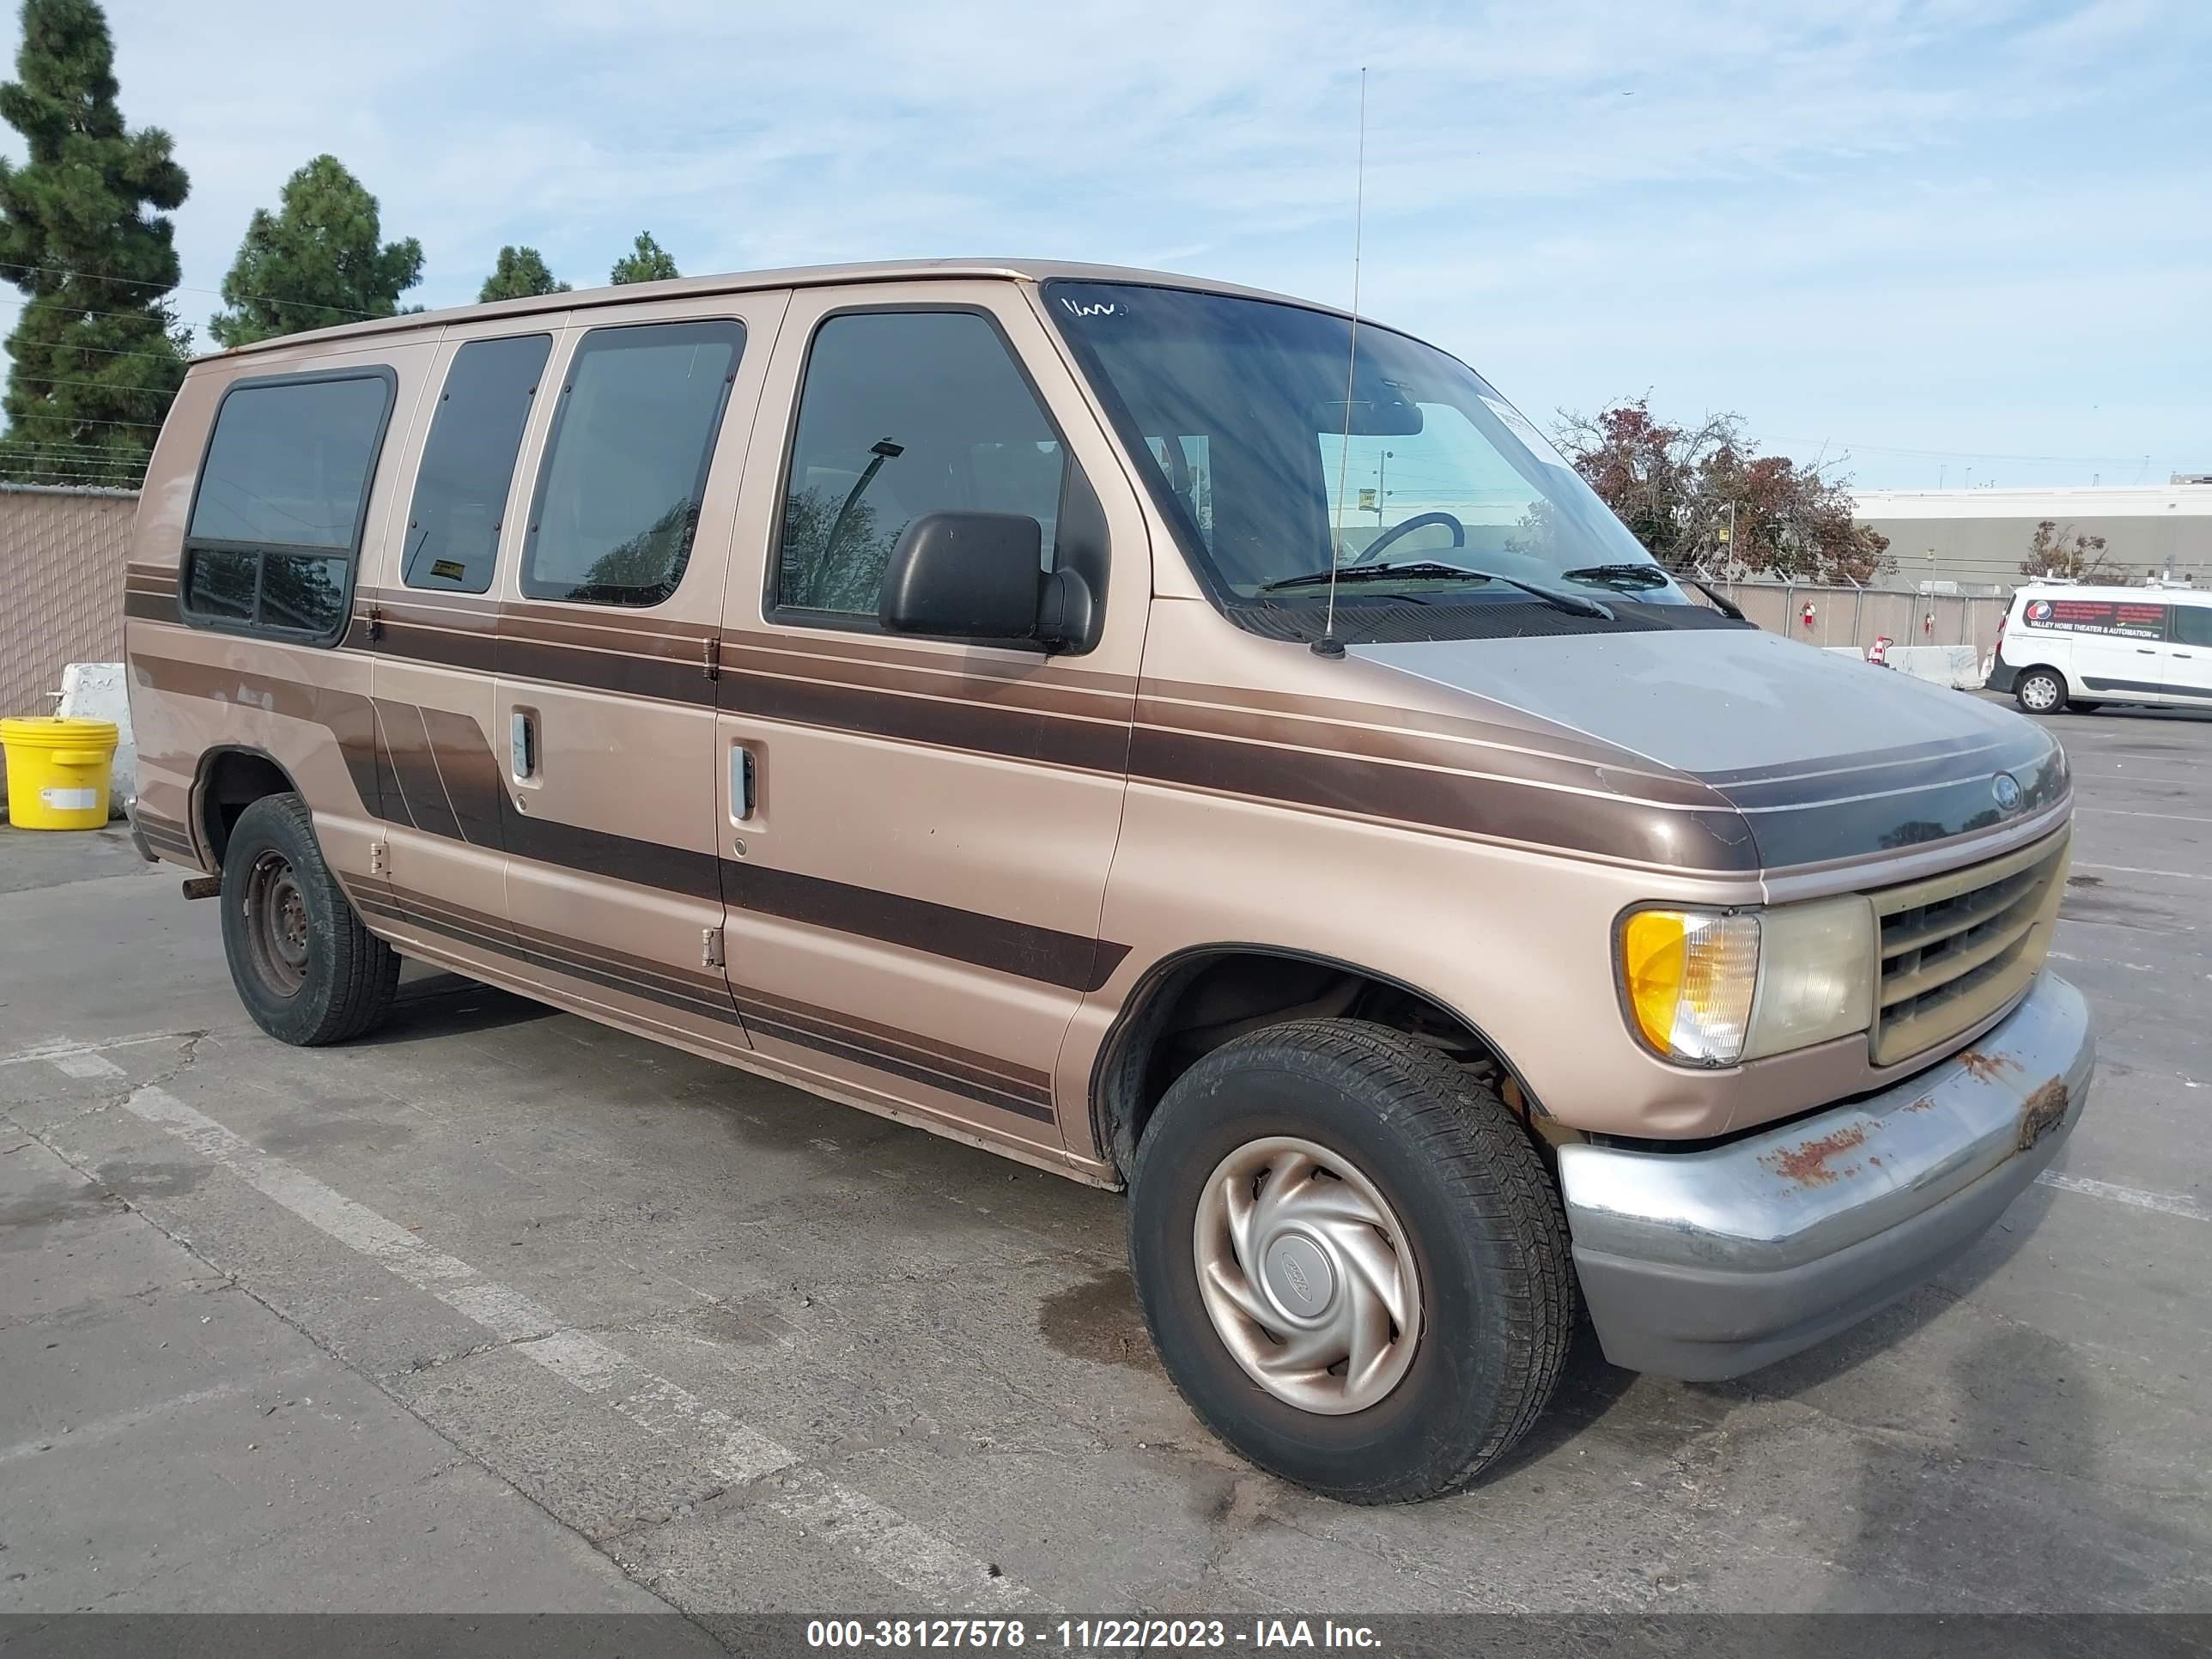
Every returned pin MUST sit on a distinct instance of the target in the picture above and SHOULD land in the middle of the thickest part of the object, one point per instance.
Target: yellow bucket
(58, 772)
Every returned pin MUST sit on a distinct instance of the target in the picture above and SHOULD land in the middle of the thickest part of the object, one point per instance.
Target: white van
(2065, 647)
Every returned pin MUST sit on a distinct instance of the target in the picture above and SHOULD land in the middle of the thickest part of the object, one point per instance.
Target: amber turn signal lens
(1688, 977)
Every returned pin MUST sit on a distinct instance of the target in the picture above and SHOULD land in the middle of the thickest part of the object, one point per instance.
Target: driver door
(917, 832)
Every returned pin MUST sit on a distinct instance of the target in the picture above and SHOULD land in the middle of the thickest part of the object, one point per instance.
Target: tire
(1478, 1215)
(2041, 691)
(307, 970)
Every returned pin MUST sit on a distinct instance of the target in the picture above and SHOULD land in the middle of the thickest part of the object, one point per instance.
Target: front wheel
(305, 968)
(1352, 1259)
(2041, 691)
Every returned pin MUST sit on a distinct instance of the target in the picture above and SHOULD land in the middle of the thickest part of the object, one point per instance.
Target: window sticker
(1520, 426)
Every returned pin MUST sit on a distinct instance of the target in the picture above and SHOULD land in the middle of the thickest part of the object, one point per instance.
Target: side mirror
(965, 575)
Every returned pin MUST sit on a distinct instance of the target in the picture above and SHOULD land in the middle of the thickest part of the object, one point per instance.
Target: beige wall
(1987, 551)
(61, 585)
(61, 588)
(1855, 617)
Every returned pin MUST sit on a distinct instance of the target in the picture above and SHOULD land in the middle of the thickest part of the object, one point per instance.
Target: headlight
(1706, 987)
(1817, 968)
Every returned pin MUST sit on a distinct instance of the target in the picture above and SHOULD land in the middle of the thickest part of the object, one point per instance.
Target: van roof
(885, 270)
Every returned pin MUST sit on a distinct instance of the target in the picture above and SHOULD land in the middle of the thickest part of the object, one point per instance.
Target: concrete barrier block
(94, 691)
(1955, 665)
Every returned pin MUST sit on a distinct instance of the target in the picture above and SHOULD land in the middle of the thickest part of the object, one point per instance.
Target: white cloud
(1812, 212)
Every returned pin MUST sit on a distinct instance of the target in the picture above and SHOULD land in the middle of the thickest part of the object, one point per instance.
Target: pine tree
(520, 273)
(315, 262)
(97, 352)
(646, 262)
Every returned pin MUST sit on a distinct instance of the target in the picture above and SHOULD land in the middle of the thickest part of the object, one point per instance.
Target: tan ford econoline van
(926, 685)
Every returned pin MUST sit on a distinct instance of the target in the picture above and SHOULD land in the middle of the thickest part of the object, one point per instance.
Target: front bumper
(1709, 1264)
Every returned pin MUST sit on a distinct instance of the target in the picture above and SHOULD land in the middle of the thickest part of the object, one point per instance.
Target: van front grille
(1956, 948)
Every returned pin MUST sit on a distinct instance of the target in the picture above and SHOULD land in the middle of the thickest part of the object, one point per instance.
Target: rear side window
(468, 463)
(277, 522)
(905, 413)
(617, 501)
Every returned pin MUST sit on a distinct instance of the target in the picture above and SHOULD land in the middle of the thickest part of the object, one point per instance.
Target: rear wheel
(307, 970)
(1353, 1261)
(2041, 691)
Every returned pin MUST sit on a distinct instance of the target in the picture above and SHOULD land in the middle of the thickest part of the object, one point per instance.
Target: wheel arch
(230, 778)
(1156, 1034)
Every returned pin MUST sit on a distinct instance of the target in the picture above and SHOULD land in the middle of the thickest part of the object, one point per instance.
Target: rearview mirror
(1378, 412)
(965, 575)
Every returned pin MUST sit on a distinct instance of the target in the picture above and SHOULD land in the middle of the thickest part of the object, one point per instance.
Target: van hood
(1823, 756)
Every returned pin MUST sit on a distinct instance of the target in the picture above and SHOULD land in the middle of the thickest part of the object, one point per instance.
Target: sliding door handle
(522, 739)
(745, 782)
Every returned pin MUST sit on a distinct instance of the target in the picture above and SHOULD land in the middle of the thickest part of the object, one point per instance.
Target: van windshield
(1237, 410)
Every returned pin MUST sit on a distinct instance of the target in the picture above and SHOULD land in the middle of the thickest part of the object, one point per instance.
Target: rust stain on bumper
(1810, 1164)
(1987, 1067)
(2042, 1112)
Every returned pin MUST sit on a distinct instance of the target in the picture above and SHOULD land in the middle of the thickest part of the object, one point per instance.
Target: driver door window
(904, 413)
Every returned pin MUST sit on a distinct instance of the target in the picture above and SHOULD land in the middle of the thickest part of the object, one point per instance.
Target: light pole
(1382, 495)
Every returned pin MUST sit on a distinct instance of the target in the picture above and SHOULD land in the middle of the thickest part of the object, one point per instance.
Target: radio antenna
(1329, 645)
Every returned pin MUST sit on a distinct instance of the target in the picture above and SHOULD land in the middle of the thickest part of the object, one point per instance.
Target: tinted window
(2192, 624)
(618, 498)
(460, 494)
(220, 583)
(903, 414)
(277, 522)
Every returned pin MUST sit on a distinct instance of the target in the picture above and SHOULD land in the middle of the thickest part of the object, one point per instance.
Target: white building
(1978, 537)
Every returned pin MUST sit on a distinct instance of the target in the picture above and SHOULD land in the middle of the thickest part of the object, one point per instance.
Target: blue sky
(1923, 236)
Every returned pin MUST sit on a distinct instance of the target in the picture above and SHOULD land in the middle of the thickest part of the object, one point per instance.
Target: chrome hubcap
(2041, 694)
(1307, 1275)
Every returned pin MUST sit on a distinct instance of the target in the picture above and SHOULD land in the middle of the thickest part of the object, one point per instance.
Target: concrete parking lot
(504, 1310)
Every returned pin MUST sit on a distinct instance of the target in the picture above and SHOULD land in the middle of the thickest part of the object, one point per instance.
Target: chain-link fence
(1856, 616)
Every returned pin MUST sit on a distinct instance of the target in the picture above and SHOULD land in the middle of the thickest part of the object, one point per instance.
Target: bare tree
(2055, 552)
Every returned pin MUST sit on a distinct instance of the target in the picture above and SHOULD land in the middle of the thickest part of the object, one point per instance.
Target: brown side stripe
(1009, 1088)
(1369, 788)
(495, 935)
(414, 773)
(1077, 720)
(164, 834)
(1069, 960)
(404, 740)
(471, 774)
(1091, 746)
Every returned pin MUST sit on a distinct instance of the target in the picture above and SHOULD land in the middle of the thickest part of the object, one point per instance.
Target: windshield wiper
(1633, 577)
(1629, 577)
(1418, 570)
(1433, 570)
(1726, 606)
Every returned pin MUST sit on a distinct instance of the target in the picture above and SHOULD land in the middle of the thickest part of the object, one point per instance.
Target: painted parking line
(2164, 1203)
(2124, 812)
(2138, 869)
(59, 1048)
(909, 1555)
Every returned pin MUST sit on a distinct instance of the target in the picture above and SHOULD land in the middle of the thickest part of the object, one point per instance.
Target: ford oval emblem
(2006, 788)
